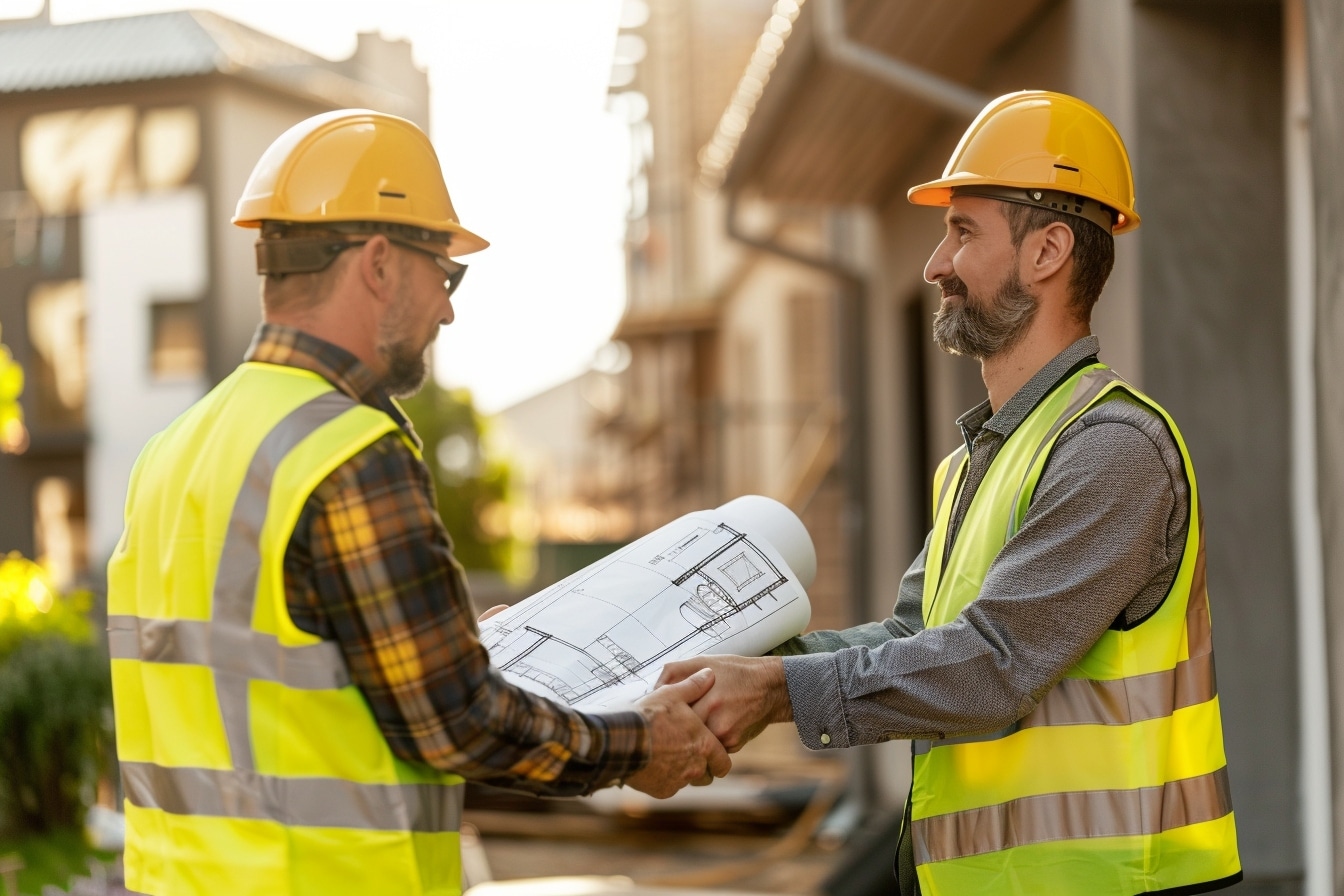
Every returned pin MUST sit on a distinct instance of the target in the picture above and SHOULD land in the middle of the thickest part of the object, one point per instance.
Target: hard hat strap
(303, 255)
(306, 249)
(1054, 200)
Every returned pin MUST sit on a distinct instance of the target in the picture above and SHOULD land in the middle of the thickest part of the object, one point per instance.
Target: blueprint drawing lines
(601, 636)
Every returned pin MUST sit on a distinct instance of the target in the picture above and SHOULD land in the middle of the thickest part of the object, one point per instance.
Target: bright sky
(533, 161)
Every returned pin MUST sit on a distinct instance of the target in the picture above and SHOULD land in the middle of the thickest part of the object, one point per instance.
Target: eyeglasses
(453, 270)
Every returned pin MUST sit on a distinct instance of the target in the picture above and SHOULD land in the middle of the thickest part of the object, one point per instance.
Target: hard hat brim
(939, 193)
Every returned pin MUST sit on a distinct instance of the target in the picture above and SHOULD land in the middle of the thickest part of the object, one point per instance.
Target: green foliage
(55, 693)
(472, 485)
(13, 434)
(52, 858)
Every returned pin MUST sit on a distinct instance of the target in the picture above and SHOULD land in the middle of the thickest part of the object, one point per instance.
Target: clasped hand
(682, 750)
(747, 694)
(702, 710)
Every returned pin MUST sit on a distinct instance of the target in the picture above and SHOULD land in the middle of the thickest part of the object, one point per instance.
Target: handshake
(702, 710)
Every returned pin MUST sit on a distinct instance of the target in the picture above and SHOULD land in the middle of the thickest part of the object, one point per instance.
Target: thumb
(497, 608)
(692, 688)
(677, 671)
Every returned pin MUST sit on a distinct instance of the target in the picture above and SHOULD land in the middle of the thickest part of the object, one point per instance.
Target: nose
(939, 264)
(448, 314)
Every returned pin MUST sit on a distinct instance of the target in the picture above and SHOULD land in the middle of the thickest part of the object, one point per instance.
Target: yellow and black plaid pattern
(371, 567)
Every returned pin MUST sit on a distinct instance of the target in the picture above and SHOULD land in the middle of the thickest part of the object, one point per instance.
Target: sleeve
(906, 619)
(384, 584)
(1094, 538)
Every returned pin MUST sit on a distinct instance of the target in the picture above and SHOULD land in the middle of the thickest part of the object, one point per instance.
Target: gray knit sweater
(1099, 546)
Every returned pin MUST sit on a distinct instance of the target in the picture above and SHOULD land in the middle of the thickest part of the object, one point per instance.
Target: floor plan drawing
(706, 583)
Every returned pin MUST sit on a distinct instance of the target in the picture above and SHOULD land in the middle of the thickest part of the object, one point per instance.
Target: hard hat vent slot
(391, 195)
(1066, 167)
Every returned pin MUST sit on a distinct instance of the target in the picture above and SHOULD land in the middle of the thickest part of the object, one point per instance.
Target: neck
(319, 322)
(1007, 372)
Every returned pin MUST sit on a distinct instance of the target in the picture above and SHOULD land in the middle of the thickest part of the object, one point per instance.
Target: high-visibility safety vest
(1116, 782)
(250, 763)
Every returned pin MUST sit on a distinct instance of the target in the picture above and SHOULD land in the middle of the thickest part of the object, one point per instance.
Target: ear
(377, 269)
(1048, 251)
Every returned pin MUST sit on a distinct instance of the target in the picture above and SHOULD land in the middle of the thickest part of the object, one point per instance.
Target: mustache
(951, 285)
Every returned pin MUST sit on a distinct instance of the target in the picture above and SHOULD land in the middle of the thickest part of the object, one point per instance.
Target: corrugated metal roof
(40, 56)
(823, 132)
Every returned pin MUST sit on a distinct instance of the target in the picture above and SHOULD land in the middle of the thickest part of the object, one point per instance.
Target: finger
(492, 611)
(703, 781)
(693, 688)
(674, 672)
(718, 763)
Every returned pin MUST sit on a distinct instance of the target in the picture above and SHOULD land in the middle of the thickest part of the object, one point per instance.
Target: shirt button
(825, 738)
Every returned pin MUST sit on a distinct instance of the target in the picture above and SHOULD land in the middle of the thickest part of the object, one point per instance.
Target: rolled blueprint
(729, 580)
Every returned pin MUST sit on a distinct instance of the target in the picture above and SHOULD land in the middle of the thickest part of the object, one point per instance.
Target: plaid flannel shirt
(371, 567)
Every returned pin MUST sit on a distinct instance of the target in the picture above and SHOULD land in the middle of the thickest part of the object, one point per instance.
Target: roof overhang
(677, 320)
(822, 129)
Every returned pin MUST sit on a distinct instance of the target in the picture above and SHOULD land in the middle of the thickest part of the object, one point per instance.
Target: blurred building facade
(1225, 306)
(1210, 308)
(124, 292)
(734, 378)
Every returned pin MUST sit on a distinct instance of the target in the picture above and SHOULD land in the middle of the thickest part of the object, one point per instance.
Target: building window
(59, 370)
(73, 158)
(169, 145)
(177, 341)
(70, 159)
(60, 530)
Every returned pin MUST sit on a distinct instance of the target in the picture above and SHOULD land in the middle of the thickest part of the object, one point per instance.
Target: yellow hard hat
(1044, 149)
(354, 166)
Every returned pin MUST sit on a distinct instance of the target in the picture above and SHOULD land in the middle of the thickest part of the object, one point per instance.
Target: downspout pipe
(854, 388)
(923, 85)
(1309, 565)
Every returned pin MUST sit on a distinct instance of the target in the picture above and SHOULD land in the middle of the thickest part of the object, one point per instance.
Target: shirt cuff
(818, 706)
(626, 748)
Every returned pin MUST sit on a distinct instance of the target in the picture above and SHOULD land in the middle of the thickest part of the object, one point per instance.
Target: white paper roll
(771, 520)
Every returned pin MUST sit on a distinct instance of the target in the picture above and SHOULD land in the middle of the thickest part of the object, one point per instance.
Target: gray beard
(982, 328)
(406, 369)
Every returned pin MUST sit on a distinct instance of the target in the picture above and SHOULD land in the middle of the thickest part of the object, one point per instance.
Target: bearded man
(299, 686)
(1049, 654)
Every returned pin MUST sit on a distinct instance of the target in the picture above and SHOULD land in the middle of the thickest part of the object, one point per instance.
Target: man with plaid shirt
(299, 683)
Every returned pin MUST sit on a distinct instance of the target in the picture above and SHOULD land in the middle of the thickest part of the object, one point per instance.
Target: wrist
(777, 691)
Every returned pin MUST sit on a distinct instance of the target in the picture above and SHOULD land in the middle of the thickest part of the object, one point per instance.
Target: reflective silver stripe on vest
(1072, 816)
(1123, 701)
(1090, 385)
(954, 462)
(312, 667)
(240, 563)
(302, 802)
(1120, 701)
(227, 643)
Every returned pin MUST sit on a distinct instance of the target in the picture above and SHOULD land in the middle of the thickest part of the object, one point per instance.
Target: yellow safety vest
(1116, 782)
(251, 764)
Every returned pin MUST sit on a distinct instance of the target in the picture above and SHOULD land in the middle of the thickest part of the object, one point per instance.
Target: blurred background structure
(127, 293)
(775, 337)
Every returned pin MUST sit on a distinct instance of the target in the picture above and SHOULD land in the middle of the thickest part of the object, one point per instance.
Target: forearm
(1095, 538)
(905, 620)
(510, 738)
(383, 584)
(461, 715)
(870, 634)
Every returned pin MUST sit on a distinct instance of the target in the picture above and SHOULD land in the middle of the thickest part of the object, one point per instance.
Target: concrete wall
(135, 252)
(239, 122)
(1214, 326)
